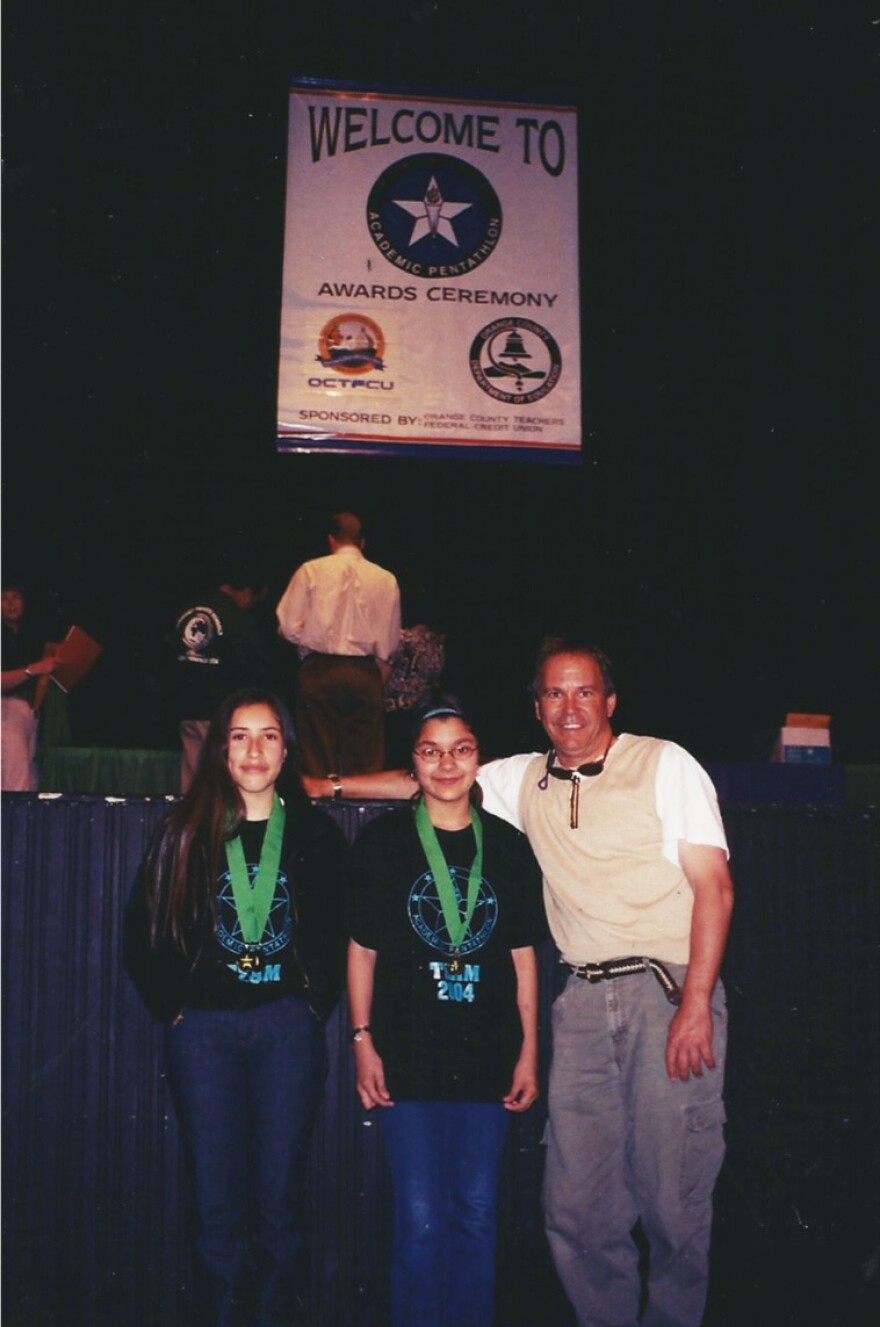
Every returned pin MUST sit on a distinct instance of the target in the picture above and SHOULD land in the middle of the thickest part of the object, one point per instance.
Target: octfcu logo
(351, 343)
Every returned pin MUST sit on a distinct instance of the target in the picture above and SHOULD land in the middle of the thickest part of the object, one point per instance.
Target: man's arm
(689, 1043)
(387, 785)
(500, 781)
(292, 608)
(12, 678)
(388, 628)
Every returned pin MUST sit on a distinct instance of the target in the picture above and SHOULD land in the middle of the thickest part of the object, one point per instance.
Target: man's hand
(689, 1041)
(42, 667)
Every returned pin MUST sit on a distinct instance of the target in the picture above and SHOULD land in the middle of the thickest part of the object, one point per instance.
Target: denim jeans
(245, 1086)
(445, 1159)
(626, 1144)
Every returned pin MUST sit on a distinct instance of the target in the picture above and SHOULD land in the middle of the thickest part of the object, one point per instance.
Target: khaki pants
(625, 1143)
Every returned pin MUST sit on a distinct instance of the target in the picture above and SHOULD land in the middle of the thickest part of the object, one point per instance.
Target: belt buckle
(591, 972)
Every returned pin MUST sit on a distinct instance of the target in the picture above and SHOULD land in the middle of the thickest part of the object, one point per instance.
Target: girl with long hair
(234, 940)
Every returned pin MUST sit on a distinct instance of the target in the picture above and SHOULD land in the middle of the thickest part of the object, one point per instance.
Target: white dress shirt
(341, 604)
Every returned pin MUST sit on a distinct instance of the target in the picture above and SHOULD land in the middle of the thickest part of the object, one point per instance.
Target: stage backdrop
(430, 301)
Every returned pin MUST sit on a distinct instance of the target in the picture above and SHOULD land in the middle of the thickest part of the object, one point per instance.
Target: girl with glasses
(442, 987)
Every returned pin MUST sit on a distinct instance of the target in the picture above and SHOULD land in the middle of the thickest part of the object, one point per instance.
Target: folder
(76, 654)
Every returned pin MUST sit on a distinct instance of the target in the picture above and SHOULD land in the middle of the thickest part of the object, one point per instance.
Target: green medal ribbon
(254, 902)
(456, 925)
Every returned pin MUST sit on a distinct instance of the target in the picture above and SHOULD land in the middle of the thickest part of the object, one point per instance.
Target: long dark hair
(181, 869)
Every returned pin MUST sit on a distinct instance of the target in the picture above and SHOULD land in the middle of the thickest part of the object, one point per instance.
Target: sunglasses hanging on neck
(574, 776)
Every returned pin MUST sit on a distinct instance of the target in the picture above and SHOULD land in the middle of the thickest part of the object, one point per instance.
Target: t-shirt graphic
(278, 929)
(426, 912)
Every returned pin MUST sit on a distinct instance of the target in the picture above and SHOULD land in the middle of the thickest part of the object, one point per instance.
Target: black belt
(628, 967)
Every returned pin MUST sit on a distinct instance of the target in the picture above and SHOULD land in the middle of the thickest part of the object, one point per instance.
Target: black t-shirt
(445, 1036)
(216, 648)
(301, 949)
(225, 983)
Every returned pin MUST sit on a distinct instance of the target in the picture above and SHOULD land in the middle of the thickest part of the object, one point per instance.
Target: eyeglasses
(432, 754)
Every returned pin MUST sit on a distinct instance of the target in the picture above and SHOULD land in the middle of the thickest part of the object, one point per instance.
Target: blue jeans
(626, 1143)
(445, 1159)
(246, 1087)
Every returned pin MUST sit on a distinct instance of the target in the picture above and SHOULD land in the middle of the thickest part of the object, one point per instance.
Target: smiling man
(638, 892)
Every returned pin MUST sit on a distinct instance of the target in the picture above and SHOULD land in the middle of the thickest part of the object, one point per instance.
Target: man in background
(218, 648)
(342, 613)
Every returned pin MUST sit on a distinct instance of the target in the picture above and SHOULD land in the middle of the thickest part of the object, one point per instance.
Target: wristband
(337, 787)
(358, 1033)
(27, 671)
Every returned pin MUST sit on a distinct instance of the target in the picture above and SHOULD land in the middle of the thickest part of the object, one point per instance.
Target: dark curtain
(95, 1193)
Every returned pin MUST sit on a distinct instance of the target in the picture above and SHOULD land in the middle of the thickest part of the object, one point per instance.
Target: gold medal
(250, 959)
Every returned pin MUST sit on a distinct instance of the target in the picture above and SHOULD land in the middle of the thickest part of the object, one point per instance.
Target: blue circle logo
(434, 216)
(426, 912)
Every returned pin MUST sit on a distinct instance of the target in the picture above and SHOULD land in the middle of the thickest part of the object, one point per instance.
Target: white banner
(431, 298)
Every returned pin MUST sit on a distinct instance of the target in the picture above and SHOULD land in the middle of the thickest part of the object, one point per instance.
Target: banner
(430, 295)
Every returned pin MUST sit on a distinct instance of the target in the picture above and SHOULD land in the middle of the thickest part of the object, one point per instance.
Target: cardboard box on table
(805, 740)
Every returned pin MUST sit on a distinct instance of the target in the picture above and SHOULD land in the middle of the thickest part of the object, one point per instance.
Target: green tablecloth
(110, 771)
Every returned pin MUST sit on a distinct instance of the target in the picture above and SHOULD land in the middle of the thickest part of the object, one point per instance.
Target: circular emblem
(515, 360)
(199, 630)
(351, 343)
(434, 216)
(279, 925)
(426, 912)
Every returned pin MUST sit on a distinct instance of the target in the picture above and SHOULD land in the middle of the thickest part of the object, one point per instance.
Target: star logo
(433, 214)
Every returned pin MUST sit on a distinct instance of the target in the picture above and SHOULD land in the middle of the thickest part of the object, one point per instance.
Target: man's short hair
(345, 528)
(553, 645)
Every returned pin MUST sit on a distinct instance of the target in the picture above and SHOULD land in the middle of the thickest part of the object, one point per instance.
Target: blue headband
(435, 714)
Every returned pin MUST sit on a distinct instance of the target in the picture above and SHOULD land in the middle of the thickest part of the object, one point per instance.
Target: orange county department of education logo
(515, 360)
(351, 343)
(434, 216)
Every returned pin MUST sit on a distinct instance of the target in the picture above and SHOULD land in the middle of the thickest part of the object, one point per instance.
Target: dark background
(718, 537)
